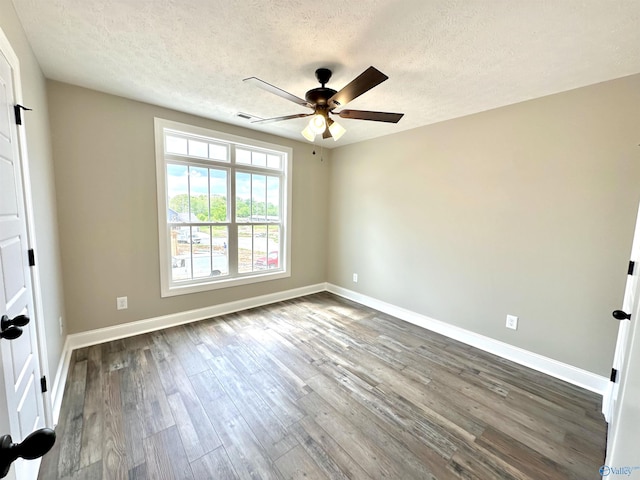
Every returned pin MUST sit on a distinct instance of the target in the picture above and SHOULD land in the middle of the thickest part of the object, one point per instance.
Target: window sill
(204, 286)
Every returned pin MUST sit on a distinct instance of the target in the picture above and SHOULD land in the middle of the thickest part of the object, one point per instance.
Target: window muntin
(224, 202)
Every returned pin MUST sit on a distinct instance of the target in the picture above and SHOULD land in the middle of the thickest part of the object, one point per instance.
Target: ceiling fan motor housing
(319, 96)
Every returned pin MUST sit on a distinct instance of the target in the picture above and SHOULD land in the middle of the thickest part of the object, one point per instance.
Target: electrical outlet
(121, 303)
(61, 325)
(512, 322)
(355, 278)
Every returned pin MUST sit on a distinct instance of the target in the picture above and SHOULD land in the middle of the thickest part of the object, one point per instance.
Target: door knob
(10, 328)
(19, 321)
(11, 333)
(620, 315)
(34, 446)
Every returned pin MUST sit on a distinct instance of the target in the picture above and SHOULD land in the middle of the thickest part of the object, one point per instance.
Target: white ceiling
(444, 58)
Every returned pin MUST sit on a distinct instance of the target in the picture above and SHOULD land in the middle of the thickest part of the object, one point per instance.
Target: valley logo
(605, 470)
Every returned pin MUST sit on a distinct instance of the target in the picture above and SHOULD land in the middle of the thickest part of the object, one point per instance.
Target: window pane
(243, 156)
(180, 254)
(258, 198)
(243, 197)
(273, 246)
(245, 248)
(176, 145)
(259, 159)
(273, 199)
(188, 252)
(259, 247)
(218, 184)
(220, 243)
(273, 161)
(198, 149)
(178, 193)
(218, 152)
(201, 251)
(199, 194)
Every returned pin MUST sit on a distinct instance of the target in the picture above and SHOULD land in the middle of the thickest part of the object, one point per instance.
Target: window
(223, 209)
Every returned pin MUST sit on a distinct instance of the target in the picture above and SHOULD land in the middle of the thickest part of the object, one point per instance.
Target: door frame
(7, 51)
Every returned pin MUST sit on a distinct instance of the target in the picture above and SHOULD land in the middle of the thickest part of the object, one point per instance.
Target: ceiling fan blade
(359, 85)
(367, 115)
(277, 91)
(286, 117)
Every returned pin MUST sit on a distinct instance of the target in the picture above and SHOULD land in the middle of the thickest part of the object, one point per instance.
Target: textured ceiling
(444, 58)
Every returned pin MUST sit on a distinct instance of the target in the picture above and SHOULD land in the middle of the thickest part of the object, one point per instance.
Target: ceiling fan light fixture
(336, 130)
(318, 124)
(308, 134)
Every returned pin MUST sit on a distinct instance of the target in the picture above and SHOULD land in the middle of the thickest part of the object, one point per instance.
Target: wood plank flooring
(316, 388)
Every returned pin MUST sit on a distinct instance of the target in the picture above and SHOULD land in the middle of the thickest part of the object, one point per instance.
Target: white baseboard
(568, 373)
(107, 334)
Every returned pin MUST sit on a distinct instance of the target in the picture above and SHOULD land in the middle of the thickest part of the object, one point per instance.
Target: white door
(22, 403)
(631, 305)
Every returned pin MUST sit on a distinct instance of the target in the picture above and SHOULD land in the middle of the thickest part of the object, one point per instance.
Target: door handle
(19, 321)
(11, 333)
(34, 446)
(620, 315)
(10, 328)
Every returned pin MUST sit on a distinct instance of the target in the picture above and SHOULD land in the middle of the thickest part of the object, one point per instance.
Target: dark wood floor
(316, 388)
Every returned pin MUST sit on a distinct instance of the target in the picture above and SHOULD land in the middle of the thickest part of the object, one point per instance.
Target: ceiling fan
(323, 101)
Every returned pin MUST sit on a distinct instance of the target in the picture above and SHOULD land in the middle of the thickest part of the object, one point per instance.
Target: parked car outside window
(270, 262)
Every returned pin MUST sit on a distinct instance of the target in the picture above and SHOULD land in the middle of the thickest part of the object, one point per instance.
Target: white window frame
(168, 286)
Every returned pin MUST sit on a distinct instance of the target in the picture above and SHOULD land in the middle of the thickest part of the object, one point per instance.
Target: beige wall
(106, 188)
(526, 210)
(40, 163)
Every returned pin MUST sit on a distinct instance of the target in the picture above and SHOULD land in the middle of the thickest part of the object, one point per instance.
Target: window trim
(167, 287)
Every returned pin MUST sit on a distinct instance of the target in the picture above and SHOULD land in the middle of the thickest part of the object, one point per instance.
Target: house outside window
(223, 209)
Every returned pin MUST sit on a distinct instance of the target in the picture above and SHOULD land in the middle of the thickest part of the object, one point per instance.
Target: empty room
(337, 240)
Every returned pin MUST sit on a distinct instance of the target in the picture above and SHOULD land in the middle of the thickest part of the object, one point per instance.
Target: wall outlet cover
(121, 303)
(512, 322)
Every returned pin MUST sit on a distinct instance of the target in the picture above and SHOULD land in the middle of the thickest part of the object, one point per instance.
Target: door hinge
(614, 375)
(631, 265)
(32, 257)
(17, 109)
(43, 384)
